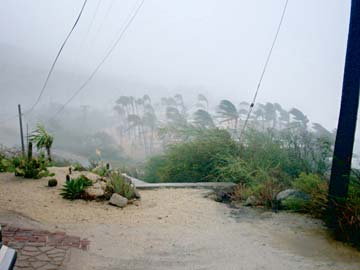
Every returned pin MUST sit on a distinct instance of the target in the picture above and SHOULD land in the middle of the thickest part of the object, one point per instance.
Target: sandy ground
(174, 229)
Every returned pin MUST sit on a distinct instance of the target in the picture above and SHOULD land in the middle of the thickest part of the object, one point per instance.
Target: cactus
(52, 183)
(30, 151)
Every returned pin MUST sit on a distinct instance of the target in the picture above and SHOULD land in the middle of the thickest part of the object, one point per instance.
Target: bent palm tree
(203, 119)
(42, 139)
(228, 112)
(299, 117)
(201, 100)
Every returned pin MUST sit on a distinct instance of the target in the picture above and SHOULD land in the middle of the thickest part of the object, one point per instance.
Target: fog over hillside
(211, 47)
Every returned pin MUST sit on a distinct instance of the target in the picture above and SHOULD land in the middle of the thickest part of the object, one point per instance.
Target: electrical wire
(132, 17)
(55, 60)
(265, 67)
(91, 22)
(105, 17)
(27, 112)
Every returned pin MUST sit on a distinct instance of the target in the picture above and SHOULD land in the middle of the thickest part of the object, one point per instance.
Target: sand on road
(174, 229)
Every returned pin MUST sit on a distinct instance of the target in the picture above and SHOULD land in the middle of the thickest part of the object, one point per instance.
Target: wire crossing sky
(127, 25)
(56, 59)
(265, 67)
(212, 47)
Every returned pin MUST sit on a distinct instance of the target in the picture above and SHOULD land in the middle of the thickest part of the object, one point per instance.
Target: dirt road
(175, 229)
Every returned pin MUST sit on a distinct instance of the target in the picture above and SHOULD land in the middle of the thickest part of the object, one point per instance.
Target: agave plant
(74, 189)
(42, 139)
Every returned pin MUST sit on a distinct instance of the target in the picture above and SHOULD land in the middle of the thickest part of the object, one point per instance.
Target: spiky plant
(75, 188)
(118, 184)
(42, 139)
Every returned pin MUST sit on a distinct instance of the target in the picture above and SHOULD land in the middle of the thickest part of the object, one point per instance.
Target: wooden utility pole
(21, 131)
(341, 166)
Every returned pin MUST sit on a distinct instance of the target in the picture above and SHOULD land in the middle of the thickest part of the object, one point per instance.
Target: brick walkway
(39, 249)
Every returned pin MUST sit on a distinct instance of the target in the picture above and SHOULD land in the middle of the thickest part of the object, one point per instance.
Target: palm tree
(321, 131)
(201, 100)
(299, 117)
(136, 122)
(125, 102)
(146, 99)
(228, 112)
(150, 120)
(203, 119)
(168, 102)
(270, 114)
(175, 117)
(284, 116)
(42, 139)
(243, 110)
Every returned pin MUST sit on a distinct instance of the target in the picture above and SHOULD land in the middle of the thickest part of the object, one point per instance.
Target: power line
(27, 112)
(91, 22)
(265, 67)
(105, 17)
(102, 61)
(56, 59)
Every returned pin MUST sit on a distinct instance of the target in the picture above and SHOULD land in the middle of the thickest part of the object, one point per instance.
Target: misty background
(216, 48)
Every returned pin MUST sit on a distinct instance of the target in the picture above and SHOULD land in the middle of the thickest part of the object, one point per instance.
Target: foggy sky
(214, 47)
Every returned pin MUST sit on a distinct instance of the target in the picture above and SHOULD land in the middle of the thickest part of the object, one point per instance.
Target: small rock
(95, 191)
(293, 193)
(118, 200)
(136, 193)
(224, 193)
(103, 185)
(250, 201)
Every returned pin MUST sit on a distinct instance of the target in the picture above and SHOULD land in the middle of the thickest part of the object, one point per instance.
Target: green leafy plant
(118, 184)
(7, 165)
(194, 161)
(349, 213)
(42, 139)
(101, 170)
(31, 167)
(317, 188)
(75, 188)
(78, 167)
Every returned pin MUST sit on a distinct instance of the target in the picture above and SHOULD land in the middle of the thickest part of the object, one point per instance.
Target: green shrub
(349, 213)
(193, 161)
(236, 170)
(100, 169)
(33, 168)
(317, 188)
(241, 192)
(153, 168)
(78, 167)
(266, 191)
(118, 184)
(295, 204)
(292, 150)
(7, 165)
(75, 188)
